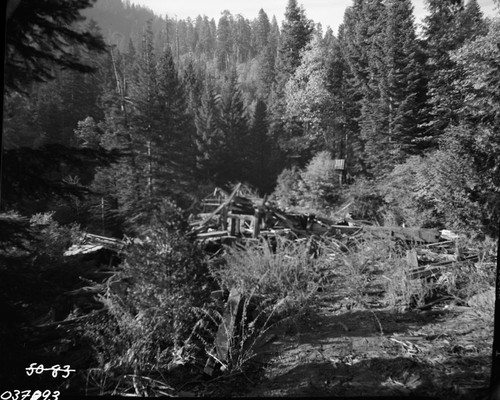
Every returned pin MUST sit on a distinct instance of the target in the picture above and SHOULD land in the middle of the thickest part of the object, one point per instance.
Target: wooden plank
(407, 234)
(256, 225)
(213, 234)
(439, 244)
(221, 207)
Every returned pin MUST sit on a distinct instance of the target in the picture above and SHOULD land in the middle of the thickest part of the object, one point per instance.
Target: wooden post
(223, 217)
(256, 224)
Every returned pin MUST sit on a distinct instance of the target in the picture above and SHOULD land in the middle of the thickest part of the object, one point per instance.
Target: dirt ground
(343, 349)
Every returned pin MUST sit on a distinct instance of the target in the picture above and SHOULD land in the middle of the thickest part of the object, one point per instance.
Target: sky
(328, 12)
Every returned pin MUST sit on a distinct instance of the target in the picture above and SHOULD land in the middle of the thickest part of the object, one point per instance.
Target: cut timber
(436, 269)
(91, 243)
(345, 229)
(82, 249)
(408, 234)
(210, 235)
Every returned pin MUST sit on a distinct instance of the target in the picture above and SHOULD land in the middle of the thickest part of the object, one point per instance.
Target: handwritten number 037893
(27, 395)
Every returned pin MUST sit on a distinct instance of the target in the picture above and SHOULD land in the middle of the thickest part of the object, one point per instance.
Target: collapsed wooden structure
(233, 216)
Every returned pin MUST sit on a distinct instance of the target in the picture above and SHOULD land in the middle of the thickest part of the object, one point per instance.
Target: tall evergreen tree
(242, 33)
(403, 89)
(209, 138)
(296, 32)
(234, 127)
(266, 72)
(363, 27)
(446, 28)
(263, 156)
(260, 31)
(224, 49)
(176, 135)
(384, 57)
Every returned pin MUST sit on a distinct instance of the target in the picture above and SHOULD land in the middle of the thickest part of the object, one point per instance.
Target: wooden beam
(221, 207)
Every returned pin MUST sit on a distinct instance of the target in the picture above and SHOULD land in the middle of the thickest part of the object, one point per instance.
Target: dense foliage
(174, 106)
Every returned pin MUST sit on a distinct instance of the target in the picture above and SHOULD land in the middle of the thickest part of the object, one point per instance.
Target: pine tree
(242, 39)
(176, 134)
(234, 128)
(266, 72)
(384, 58)
(446, 28)
(224, 49)
(209, 138)
(296, 32)
(402, 88)
(363, 27)
(263, 157)
(146, 116)
(260, 31)
(348, 143)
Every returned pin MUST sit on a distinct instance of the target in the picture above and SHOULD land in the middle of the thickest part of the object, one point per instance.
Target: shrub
(367, 202)
(54, 239)
(321, 181)
(287, 193)
(163, 279)
(314, 188)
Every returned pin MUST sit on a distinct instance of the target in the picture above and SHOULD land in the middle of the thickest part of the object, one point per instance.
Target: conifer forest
(250, 207)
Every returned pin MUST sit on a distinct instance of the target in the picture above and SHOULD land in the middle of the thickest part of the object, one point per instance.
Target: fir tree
(296, 32)
(234, 128)
(263, 156)
(224, 49)
(209, 138)
(260, 31)
(446, 28)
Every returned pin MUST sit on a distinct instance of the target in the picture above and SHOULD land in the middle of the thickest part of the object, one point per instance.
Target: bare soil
(342, 349)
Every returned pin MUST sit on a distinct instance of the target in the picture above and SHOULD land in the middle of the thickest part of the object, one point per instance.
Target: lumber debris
(91, 243)
(233, 217)
(251, 217)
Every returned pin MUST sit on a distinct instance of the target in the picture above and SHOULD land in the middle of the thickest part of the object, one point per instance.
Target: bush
(151, 303)
(366, 201)
(321, 181)
(314, 188)
(53, 239)
(287, 193)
